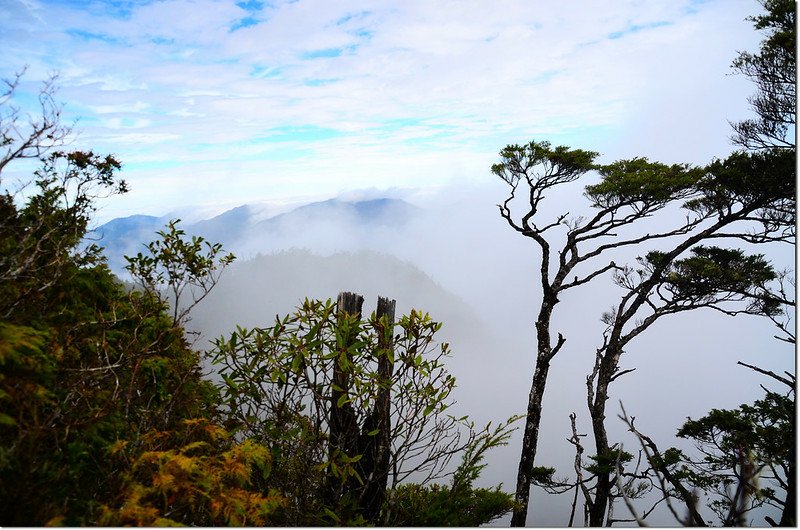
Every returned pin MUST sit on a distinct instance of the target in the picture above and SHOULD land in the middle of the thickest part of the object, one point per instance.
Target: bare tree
(24, 135)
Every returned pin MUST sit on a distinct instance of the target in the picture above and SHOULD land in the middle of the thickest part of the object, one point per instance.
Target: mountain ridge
(242, 230)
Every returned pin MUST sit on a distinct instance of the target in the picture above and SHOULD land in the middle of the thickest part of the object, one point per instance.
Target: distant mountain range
(326, 226)
(314, 250)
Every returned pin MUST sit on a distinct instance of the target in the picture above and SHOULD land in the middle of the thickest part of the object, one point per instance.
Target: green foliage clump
(608, 462)
(764, 180)
(313, 387)
(773, 69)
(437, 505)
(559, 164)
(640, 181)
(746, 457)
(710, 271)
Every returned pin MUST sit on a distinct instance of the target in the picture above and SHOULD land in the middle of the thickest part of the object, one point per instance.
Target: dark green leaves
(638, 180)
(773, 69)
(738, 445)
(540, 164)
(713, 269)
(763, 179)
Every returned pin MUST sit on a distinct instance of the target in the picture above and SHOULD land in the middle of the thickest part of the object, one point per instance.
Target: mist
(452, 255)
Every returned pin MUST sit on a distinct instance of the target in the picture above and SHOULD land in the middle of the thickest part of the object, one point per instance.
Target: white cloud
(414, 89)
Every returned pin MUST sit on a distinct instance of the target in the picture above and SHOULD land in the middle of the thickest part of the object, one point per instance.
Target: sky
(221, 103)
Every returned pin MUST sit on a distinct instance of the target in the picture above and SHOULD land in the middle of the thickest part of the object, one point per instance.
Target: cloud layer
(208, 101)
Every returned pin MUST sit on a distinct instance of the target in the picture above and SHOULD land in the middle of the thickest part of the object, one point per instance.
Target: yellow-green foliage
(25, 371)
(83, 362)
(196, 476)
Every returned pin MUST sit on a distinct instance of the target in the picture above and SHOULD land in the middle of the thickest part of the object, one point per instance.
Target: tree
(42, 240)
(36, 240)
(718, 199)
(175, 265)
(313, 387)
(722, 279)
(774, 71)
(87, 367)
(84, 365)
(630, 192)
(747, 455)
(749, 196)
(746, 458)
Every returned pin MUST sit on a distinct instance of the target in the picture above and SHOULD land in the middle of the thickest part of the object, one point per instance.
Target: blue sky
(222, 102)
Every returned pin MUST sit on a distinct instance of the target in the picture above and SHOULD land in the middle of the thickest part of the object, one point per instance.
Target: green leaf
(230, 382)
(332, 515)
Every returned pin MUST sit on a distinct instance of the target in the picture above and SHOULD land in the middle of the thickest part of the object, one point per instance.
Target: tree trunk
(374, 464)
(530, 437)
(608, 365)
(344, 432)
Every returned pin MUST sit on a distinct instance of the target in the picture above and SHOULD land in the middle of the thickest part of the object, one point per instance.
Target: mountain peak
(332, 224)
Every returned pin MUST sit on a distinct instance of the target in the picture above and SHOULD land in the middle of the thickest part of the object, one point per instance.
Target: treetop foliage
(761, 178)
(558, 165)
(627, 182)
(774, 71)
(712, 273)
